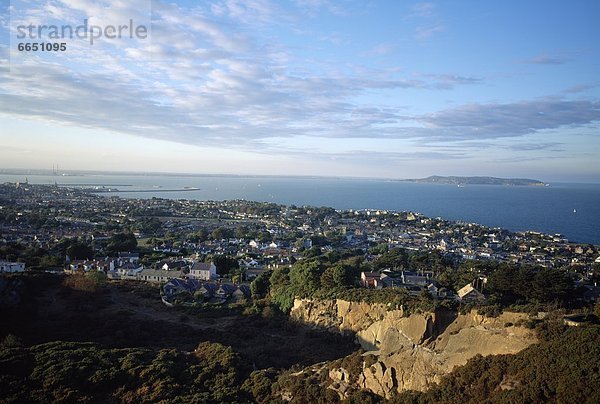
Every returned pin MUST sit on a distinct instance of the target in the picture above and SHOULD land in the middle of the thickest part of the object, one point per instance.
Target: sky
(383, 89)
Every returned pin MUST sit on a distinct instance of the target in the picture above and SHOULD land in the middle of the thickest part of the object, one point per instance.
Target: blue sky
(394, 89)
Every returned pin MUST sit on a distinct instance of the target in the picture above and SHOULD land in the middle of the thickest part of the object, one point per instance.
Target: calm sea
(569, 209)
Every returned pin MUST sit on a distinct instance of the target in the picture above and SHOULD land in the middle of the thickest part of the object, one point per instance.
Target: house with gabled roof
(176, 286)
(241, 292)
(177, 265)
(207, 289)
(468, 293)
(134, 257)
(205, 271)
(370, 280)
(225, 290)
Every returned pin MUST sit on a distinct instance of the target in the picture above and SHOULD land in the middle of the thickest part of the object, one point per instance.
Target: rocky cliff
(413, 351)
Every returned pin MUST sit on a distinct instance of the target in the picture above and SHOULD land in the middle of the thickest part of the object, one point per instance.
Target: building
(12, 266)
(414, 278)
(370, 280)
(158, 275)
(133, 258)
(204, 271)
(177, 265)
(468, 294)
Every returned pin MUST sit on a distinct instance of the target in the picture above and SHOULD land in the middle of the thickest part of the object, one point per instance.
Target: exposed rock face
(417, 350)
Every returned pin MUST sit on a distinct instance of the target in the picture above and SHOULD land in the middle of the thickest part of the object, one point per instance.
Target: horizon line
(47, 171)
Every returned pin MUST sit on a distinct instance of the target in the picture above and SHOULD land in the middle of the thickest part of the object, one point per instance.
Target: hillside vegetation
(88, 340)
(565, 369)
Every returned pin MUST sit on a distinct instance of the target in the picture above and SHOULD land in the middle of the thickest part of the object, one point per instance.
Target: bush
(91, 281)
(11, 341)
(87, 372)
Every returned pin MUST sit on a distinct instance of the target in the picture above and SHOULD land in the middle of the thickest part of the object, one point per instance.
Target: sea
(569, 209)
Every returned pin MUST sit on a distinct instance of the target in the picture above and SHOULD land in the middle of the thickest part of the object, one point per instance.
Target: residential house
(371, 280)
(253, 273)
(177, 286)
(225, 290)
(178, 265)
(208, 289)
(390, 279)
(307, 243)
(241, 292)
(12, 266)
(129, 270)
(414, 278)
(205, 271)
(251, 263)
(158, 275)
(433, 290)
(105, 265)
(468, 293)
(134, 258)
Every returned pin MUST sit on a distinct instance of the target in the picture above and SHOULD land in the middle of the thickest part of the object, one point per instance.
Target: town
(214, 250)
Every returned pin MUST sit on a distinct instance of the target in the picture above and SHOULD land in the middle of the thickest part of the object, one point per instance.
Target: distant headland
(453, 180)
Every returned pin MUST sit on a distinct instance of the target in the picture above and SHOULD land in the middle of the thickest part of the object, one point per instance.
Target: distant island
(453, 180)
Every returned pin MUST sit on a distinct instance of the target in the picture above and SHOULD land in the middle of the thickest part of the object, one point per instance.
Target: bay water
(572, 210)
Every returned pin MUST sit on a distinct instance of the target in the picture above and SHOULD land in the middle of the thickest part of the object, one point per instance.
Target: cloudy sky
(394, 89)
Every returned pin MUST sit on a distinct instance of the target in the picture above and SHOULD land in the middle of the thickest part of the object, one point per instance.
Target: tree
(202, 235)
(337, 276)
(394, 258)
(242, 232)
(305, 278)
(379, 249)
(260, 286)
(51, 261)
(313, 252)
(513, 283)
(122, 242)
(280, 291)
(225, 264)
(79, 251)
(238, 275)
(221, 233)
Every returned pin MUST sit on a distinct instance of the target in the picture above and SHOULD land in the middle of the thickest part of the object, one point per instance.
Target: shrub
(11, 341)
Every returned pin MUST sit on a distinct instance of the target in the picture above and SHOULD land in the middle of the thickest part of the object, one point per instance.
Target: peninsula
(454, 180)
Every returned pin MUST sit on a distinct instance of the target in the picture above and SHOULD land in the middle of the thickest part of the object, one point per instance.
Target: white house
(133, 258)
(129, 269)
(12, 266)
(204, 271)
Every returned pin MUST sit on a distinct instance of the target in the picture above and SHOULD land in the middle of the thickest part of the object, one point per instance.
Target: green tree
(313, 252)
(394, 258)
(337, 276)
(225, 264)
(221, 233)
(122, 242)
(238, 275)
(260, 286)
(79, 251)
(305, 278)
(280, 290)
(242, 232)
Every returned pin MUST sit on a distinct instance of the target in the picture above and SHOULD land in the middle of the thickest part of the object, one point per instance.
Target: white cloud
(207, 77)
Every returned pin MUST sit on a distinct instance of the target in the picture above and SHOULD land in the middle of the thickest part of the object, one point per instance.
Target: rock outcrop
(413, 351)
